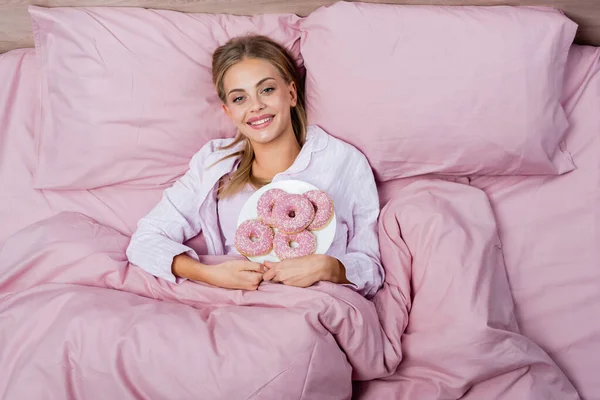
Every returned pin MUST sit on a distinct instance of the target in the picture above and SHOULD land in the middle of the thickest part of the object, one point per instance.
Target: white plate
(324, 236)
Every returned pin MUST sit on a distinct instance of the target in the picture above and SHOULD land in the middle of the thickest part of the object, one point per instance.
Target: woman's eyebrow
(257, 85)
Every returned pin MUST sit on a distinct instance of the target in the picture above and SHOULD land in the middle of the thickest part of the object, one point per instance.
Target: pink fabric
(548, 226)
(20, 204)
(98, 317)
(54, 277)
(127, 94)
(451, 90)
(445, 269)
(111, 103)
(550, 230)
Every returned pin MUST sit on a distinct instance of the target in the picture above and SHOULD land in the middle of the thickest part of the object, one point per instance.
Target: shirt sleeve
(160, 234)
(362, 260)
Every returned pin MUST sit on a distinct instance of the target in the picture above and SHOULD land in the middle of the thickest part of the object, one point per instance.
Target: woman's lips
(260, 122)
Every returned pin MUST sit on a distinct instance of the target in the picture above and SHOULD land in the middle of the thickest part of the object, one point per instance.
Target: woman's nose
(257, 104)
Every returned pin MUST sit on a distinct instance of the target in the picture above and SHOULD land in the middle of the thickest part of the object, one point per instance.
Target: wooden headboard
(15, 25)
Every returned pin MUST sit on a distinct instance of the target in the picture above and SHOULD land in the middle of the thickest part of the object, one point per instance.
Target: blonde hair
(224, 57)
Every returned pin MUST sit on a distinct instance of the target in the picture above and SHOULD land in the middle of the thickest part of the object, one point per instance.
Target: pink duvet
(79, 320)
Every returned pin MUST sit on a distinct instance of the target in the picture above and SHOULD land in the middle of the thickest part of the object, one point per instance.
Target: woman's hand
(235, 274)
(306, 271)
(232, 274)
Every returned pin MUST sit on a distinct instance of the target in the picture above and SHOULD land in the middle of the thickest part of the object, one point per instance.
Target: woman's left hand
(306, 271)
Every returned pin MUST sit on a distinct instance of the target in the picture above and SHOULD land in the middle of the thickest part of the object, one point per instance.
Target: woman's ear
(226, 110)
(293, 93)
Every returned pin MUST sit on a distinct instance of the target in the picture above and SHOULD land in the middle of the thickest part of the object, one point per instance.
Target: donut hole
(293, 244)
(291, 214)
(254, 238)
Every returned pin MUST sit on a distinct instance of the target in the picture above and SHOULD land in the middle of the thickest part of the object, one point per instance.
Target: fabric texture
(68, 295)
(446, 90)
(127, 93)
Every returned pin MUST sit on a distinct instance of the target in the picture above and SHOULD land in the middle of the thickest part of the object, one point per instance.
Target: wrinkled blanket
(77, 321)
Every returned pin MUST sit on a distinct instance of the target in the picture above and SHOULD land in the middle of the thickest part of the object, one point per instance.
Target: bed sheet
(549, 226)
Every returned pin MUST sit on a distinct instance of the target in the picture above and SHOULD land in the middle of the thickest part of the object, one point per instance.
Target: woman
(260, 88)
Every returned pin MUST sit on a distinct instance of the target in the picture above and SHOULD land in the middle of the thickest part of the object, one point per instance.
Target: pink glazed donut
(307, 244)
(266, 204)
(293, 213)
(253, 238)
(323, 205)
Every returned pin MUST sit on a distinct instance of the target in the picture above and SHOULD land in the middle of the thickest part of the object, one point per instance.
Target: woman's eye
(268, 90)
(238, 99)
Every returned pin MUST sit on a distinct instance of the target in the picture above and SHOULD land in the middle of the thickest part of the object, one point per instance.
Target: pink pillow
(127, 93)
(451, 90)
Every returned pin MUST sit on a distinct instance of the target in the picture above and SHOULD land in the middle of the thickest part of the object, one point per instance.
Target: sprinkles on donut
(266, 202)
(254, 238)
(323, 205)
(306, 244)
(293, 216)
(293, 213)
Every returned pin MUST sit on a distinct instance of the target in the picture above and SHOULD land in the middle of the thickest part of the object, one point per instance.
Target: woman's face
(258, 100)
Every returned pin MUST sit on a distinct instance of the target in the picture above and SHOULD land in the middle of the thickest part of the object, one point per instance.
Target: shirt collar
(316, 140)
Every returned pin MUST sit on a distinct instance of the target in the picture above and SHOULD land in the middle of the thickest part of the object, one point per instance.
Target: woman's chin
(263, 136)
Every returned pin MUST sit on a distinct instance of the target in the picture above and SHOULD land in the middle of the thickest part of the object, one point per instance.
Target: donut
(307, 244)
(253, 238)
(323, 205)
(292, 213)
(266, 203)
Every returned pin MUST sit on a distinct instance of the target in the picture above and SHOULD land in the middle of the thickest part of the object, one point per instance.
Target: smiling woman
(261, 91)
(270, 96)
(262, 94)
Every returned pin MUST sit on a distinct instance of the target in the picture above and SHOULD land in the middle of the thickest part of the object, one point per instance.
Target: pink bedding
(68, 298)
(550, 230)
(80, 320)
(20, 205)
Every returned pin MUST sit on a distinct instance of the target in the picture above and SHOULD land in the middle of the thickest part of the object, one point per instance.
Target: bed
(492, 280)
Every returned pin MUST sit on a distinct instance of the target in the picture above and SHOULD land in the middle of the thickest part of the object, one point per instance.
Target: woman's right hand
(236, 274)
